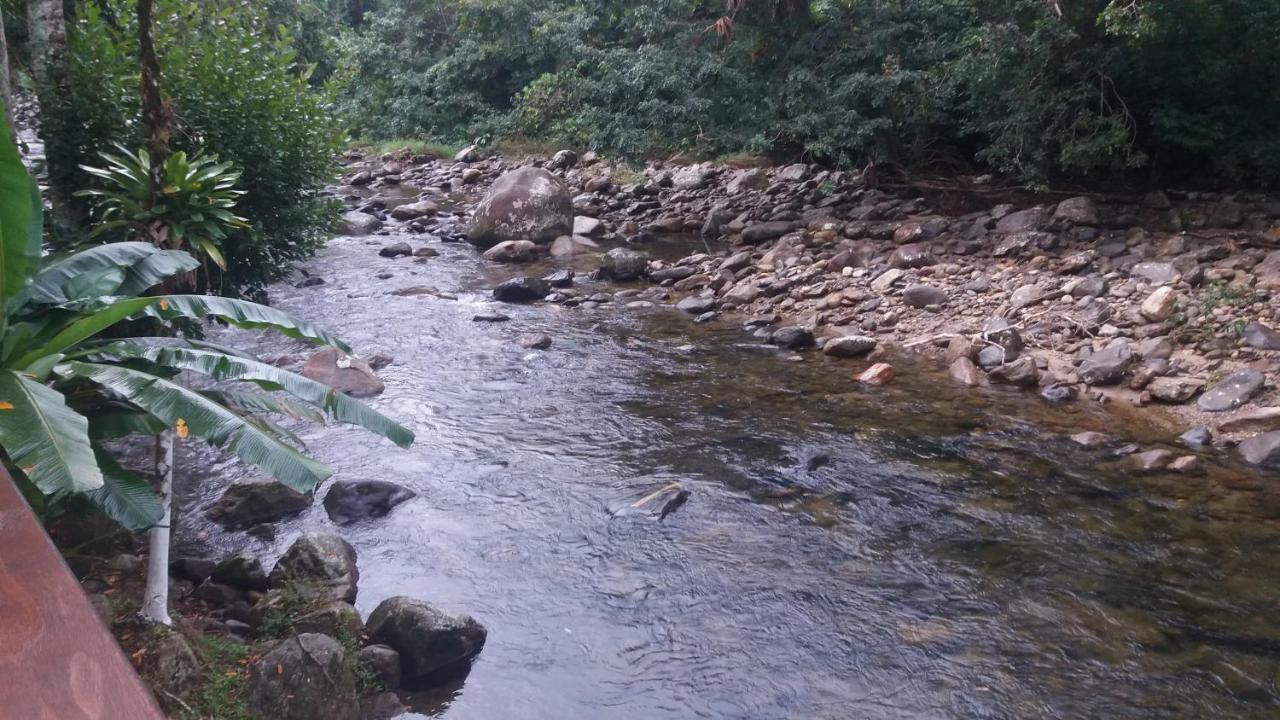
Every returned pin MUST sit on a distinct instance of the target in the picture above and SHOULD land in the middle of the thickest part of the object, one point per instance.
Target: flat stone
(1197, 437)
(763, 232)
(1090, 439)
(696, 304)
(885, 280)
(1263, 419)
(1157, 273)
(540, 341)
(1229, 394)
(1108, 365)
(1262, 450)
(849, 346)
(396, 250)
(1185, 464)
(1021, 373)
(920, 296)
(1077, 211)
(1176, 390)
(415, 210)
(587, 226)
(1261, 337)
(963, 371)
(792, 337)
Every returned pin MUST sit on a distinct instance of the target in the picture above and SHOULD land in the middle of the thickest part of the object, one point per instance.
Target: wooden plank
(57, 659)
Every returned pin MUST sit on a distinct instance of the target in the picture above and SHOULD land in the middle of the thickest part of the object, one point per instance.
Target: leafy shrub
(239, 93)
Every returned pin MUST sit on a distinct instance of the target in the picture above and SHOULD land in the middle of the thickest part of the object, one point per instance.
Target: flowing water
(913, 551)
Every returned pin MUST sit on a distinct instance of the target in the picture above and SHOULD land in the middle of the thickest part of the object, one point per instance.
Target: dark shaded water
(954, 557)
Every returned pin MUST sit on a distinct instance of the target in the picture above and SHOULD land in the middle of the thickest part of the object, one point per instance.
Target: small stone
(876, 375)
(383, 662)
(697, 304)
(244, 505)
(1021, 373)
(1175, 390)
(1159, 305)
(921, 296)
(541, 341)
(885, 280)
(512, 251)
(792, 337)
(763, 232)
(490, 317)
(358, 224)
(396, 250)
(1058, 394)
(849, 346)
(1229, 394)
(1107, 366)
(1157, 273)
(1261, 337)
(1152, 460)
(1197, 437)
(413, 211)
(522, 290)
(1263, 419)
(911, 255)
(1185, 464)
(1090, 439)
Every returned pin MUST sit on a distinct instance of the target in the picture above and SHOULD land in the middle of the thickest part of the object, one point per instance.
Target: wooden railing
(57, 659)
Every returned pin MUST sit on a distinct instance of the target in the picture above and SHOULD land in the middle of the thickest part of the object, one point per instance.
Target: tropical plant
(194, 208)
(68, 385)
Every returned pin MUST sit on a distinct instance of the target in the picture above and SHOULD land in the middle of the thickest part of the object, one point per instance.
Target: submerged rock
(351, 501)
(244, 505)
(1262, 450)
(849, 346)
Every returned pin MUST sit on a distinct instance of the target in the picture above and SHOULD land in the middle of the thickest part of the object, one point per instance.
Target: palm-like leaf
(143, 266)
(226, 367)
(179, 407)
(47, 441)
(21, 216)
(125, 497)
(241, 313)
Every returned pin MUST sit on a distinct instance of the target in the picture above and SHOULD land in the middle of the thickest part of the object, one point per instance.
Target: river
(919, 550)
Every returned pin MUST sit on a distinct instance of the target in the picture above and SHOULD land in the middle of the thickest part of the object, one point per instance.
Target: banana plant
(194, 210)
(73, 376)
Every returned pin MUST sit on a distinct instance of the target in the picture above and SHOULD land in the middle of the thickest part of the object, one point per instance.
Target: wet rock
(246, 504)
(414, 210)
(303, 678)
(1254, 420)
(1175, 390)
(336, 619)
(792, 337)
(1021, 373)
(535, 342)
(358, 224)
(885, 280)
(320, 567)
(849, 346)
(1159, 305)
(490, 317)
(1058, 394)
(911, 255)
(1090, 439)
(242, 570)
(963, 371)
(1261, 337)
(624, 264)
(677, 273)
(349, 375)
(426, 252)
(1152, 460)
(763, 232)
(350, 501)
(312, 281)
(876, 375)
(921, 296)
(1000, 332)
(1076, 211)
(1262, 450)
(396, 250)
(1025, 296)
(383, 662)
(1229, 394)
(696, 304)
(432, 643)
(512, 251)
(525, 204)
(1185, 464)
(1197, 437)
(522, 290)
(1108, 365)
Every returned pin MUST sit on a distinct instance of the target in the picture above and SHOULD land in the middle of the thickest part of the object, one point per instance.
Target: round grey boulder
(434, 645)
(525, 204)
(319, 567)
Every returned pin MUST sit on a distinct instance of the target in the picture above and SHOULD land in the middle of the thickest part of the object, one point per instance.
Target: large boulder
(356, 223)
(355, 500)
(247, 504)
(349, 375)
(319, 567)
(433, 644)
(1262, 450)
(624, 264)
(242, 570)
(306, 677)
(525, 204)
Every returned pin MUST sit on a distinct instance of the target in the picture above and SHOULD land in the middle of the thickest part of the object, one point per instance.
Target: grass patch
(225, 675)
(408, 146)
(522, 148)
(743, 161)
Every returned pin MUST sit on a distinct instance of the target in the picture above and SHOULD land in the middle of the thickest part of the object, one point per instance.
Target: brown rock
(352, 376)
(964, 371)
(876, 375)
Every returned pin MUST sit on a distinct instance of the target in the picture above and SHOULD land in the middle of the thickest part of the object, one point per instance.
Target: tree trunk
(47, 31)
(155, 599)
(156, 115)
(6, 89)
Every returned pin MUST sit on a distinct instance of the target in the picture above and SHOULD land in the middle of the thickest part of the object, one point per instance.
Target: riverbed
(919, 550)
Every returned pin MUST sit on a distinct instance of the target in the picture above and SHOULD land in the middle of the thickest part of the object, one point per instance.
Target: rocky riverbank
(1167, 301)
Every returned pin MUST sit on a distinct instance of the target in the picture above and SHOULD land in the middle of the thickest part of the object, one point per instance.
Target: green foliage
(239, 93)
(1163, 90)
(65, 385)
(224, 675)
(193, 210)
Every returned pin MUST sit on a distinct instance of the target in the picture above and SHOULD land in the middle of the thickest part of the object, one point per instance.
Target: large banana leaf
(242, 313)
(125, 497)
(21, 221)
(46, 439)
(141, 265)
(85, 328)
(227, 367)
(187, 410)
